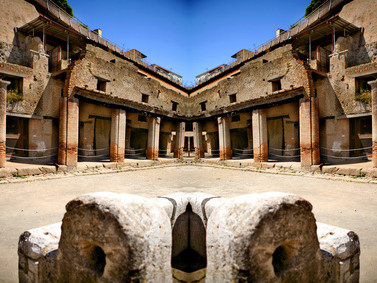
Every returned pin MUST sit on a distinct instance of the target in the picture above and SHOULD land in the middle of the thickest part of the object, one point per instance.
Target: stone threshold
(29, 172)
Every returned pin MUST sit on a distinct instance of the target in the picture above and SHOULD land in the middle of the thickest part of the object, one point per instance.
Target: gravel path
(32, 204)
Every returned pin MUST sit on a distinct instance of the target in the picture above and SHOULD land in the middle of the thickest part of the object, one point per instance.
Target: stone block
(315, 168)
(114, 238)
(37, 243)
(284, 245)
(28, 171)
(111, 165)
(370, 172)
(267, 165)
(349, 171)
(6, 172)
(330, 169)
(340, 243)
(62, 169)
(48, 169)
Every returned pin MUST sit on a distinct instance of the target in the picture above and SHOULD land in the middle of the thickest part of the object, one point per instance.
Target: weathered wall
(362, 13)
(14, 13)
(283, 128)
(252, 81)
(125, 81)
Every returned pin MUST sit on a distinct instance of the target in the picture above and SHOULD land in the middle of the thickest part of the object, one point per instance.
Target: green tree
(314, 4)
(64, 5)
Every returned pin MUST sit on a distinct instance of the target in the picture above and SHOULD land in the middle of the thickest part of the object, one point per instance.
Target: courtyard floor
(27, 205)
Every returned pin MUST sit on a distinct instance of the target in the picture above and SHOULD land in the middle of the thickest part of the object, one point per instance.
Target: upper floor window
(203, 105)
(144, 98)
(232, 98)
(174, 105)
(276, 85)
(101, 85)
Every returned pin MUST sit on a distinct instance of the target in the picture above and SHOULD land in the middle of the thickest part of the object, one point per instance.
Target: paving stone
(28, 171)
(6, 172)
(349, 171)
(329, 169)
(48, 169)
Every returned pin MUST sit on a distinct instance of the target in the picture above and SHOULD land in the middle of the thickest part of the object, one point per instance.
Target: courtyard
(27, 205)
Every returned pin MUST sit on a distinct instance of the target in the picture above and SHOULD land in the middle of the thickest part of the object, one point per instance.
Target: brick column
(309, 131)
(373, 84)
(153, 138)
(68, 131)
(260, 138)
(118, 135)
(62, 153)
(316, 151)
(3, 123)
(198, 140)
(225, 150)
(180, 140)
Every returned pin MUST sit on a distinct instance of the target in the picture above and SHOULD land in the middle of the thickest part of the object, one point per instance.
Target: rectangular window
(174, 105)
(363, 89)
(276, 85)
(101, 85)
(203, 105)
(144, 98)
(142, 118)
(236, 118)
(15, 89)
(232, 98)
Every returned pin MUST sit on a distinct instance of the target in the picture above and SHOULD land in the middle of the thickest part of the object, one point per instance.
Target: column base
(374, 154)
(225, 153)
(178, 153)
(152, 154)
(199, 153)
(2, 154)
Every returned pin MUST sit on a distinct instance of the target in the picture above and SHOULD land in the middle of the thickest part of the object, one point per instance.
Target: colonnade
(69, 132)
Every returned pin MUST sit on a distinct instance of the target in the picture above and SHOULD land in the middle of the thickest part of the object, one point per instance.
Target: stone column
(68, 131)
(373, 84)
(198, 140)
(225, 150)
(180, 140)
(260, 138)
(118, 135)
(153, 138)
(309, 131)
(3, 124)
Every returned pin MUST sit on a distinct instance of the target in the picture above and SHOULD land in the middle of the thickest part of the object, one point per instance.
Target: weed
(16, 175)
(14, 96)
(364, 96)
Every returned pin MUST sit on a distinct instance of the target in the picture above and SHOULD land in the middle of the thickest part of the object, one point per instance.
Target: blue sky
(188, 37)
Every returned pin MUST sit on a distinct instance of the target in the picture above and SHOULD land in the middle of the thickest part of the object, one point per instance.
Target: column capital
(373, 83)
(4, 83)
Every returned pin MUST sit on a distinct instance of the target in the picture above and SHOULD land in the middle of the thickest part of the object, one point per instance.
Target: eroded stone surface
(126, 238)
(115, 238)
(263, 237)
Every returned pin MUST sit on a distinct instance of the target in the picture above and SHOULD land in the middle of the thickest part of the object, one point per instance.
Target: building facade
(68, 95)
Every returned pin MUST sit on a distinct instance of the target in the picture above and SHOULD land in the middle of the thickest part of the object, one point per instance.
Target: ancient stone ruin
(189, 237)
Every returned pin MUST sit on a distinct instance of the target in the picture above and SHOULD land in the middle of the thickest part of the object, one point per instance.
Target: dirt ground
(32, 204)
